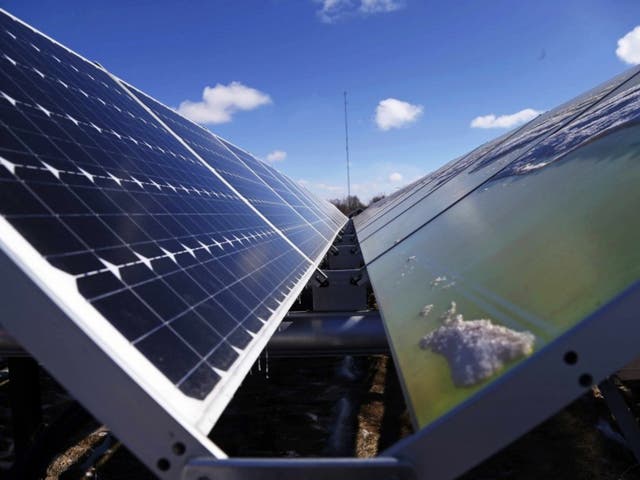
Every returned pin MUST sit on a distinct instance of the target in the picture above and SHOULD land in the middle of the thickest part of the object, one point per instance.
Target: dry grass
(75, 454)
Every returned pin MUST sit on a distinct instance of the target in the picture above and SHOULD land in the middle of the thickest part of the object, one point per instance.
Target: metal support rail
(300, 334)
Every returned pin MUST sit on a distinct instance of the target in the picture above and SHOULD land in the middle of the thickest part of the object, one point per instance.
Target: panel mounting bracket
(361, 277)
(319, 279)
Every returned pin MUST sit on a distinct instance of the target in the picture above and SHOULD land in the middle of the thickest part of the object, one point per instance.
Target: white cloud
(368, 180)
(394, 113)
(505, 121)
(395, 177)
(329, 188)
(629, 47)
(219, 103)
(333, 10)
(276, 156)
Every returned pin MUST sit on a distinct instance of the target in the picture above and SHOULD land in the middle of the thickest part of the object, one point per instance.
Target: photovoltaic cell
(276, 182)
(231, 163)
(182, 266)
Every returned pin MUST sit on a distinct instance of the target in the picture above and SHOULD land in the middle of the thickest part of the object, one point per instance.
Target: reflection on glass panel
(516, 263)
(454, 182)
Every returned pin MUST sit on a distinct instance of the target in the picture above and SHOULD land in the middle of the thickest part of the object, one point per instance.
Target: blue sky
(417, 72)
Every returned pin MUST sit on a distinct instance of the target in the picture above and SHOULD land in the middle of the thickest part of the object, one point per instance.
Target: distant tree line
(352, 203)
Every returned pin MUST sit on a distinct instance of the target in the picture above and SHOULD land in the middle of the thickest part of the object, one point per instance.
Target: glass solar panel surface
(179, 264)
(231, 163)
(454, 181)
(295, 199)
(329, 215)
(519, 261)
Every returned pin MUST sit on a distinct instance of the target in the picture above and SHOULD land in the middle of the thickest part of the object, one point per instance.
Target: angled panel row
(515, 249)
(161, 245)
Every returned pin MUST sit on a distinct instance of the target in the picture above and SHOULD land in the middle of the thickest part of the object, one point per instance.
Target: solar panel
(384, 228)
(487, 262)
(318, 220)
(238, 168)
(154, 237)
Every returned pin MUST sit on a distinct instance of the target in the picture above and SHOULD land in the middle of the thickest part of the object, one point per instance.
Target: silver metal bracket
(319, 279)
(347, 239)
(343, 290)
(380, 468)
(344, 257)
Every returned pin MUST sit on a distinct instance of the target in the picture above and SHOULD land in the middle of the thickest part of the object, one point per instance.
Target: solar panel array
(388, 222)
(186, 246)
(254, 180)
(482, 263)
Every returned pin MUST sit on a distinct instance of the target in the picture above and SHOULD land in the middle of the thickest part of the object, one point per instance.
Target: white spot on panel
(115, 179)
(205, 246)
(112, 268)
(188, 250)
(426, 310)
(9, 99)
(87, 174)
(13, 62)
(54, 171)
(144, 260)
(476, 349)
(137, 182)
(43, 110)
(76, 122)
(170, 255)
(8, 165)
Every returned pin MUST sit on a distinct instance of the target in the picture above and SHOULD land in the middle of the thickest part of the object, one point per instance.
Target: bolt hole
(585, 380)
(179, 448)
(571, 357)
(163, 465)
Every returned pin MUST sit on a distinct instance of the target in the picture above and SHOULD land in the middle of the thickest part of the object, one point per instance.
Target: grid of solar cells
(269, 176)
(389, 226)
(242, 178)
(330, 215)
(162, 248)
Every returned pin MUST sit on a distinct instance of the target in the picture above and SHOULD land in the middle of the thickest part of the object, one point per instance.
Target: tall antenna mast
(346, 140)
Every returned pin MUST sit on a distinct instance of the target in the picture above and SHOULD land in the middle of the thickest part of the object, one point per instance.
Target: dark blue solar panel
(231, 163)
(318, 220)
(180, 264)
(328, 212)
